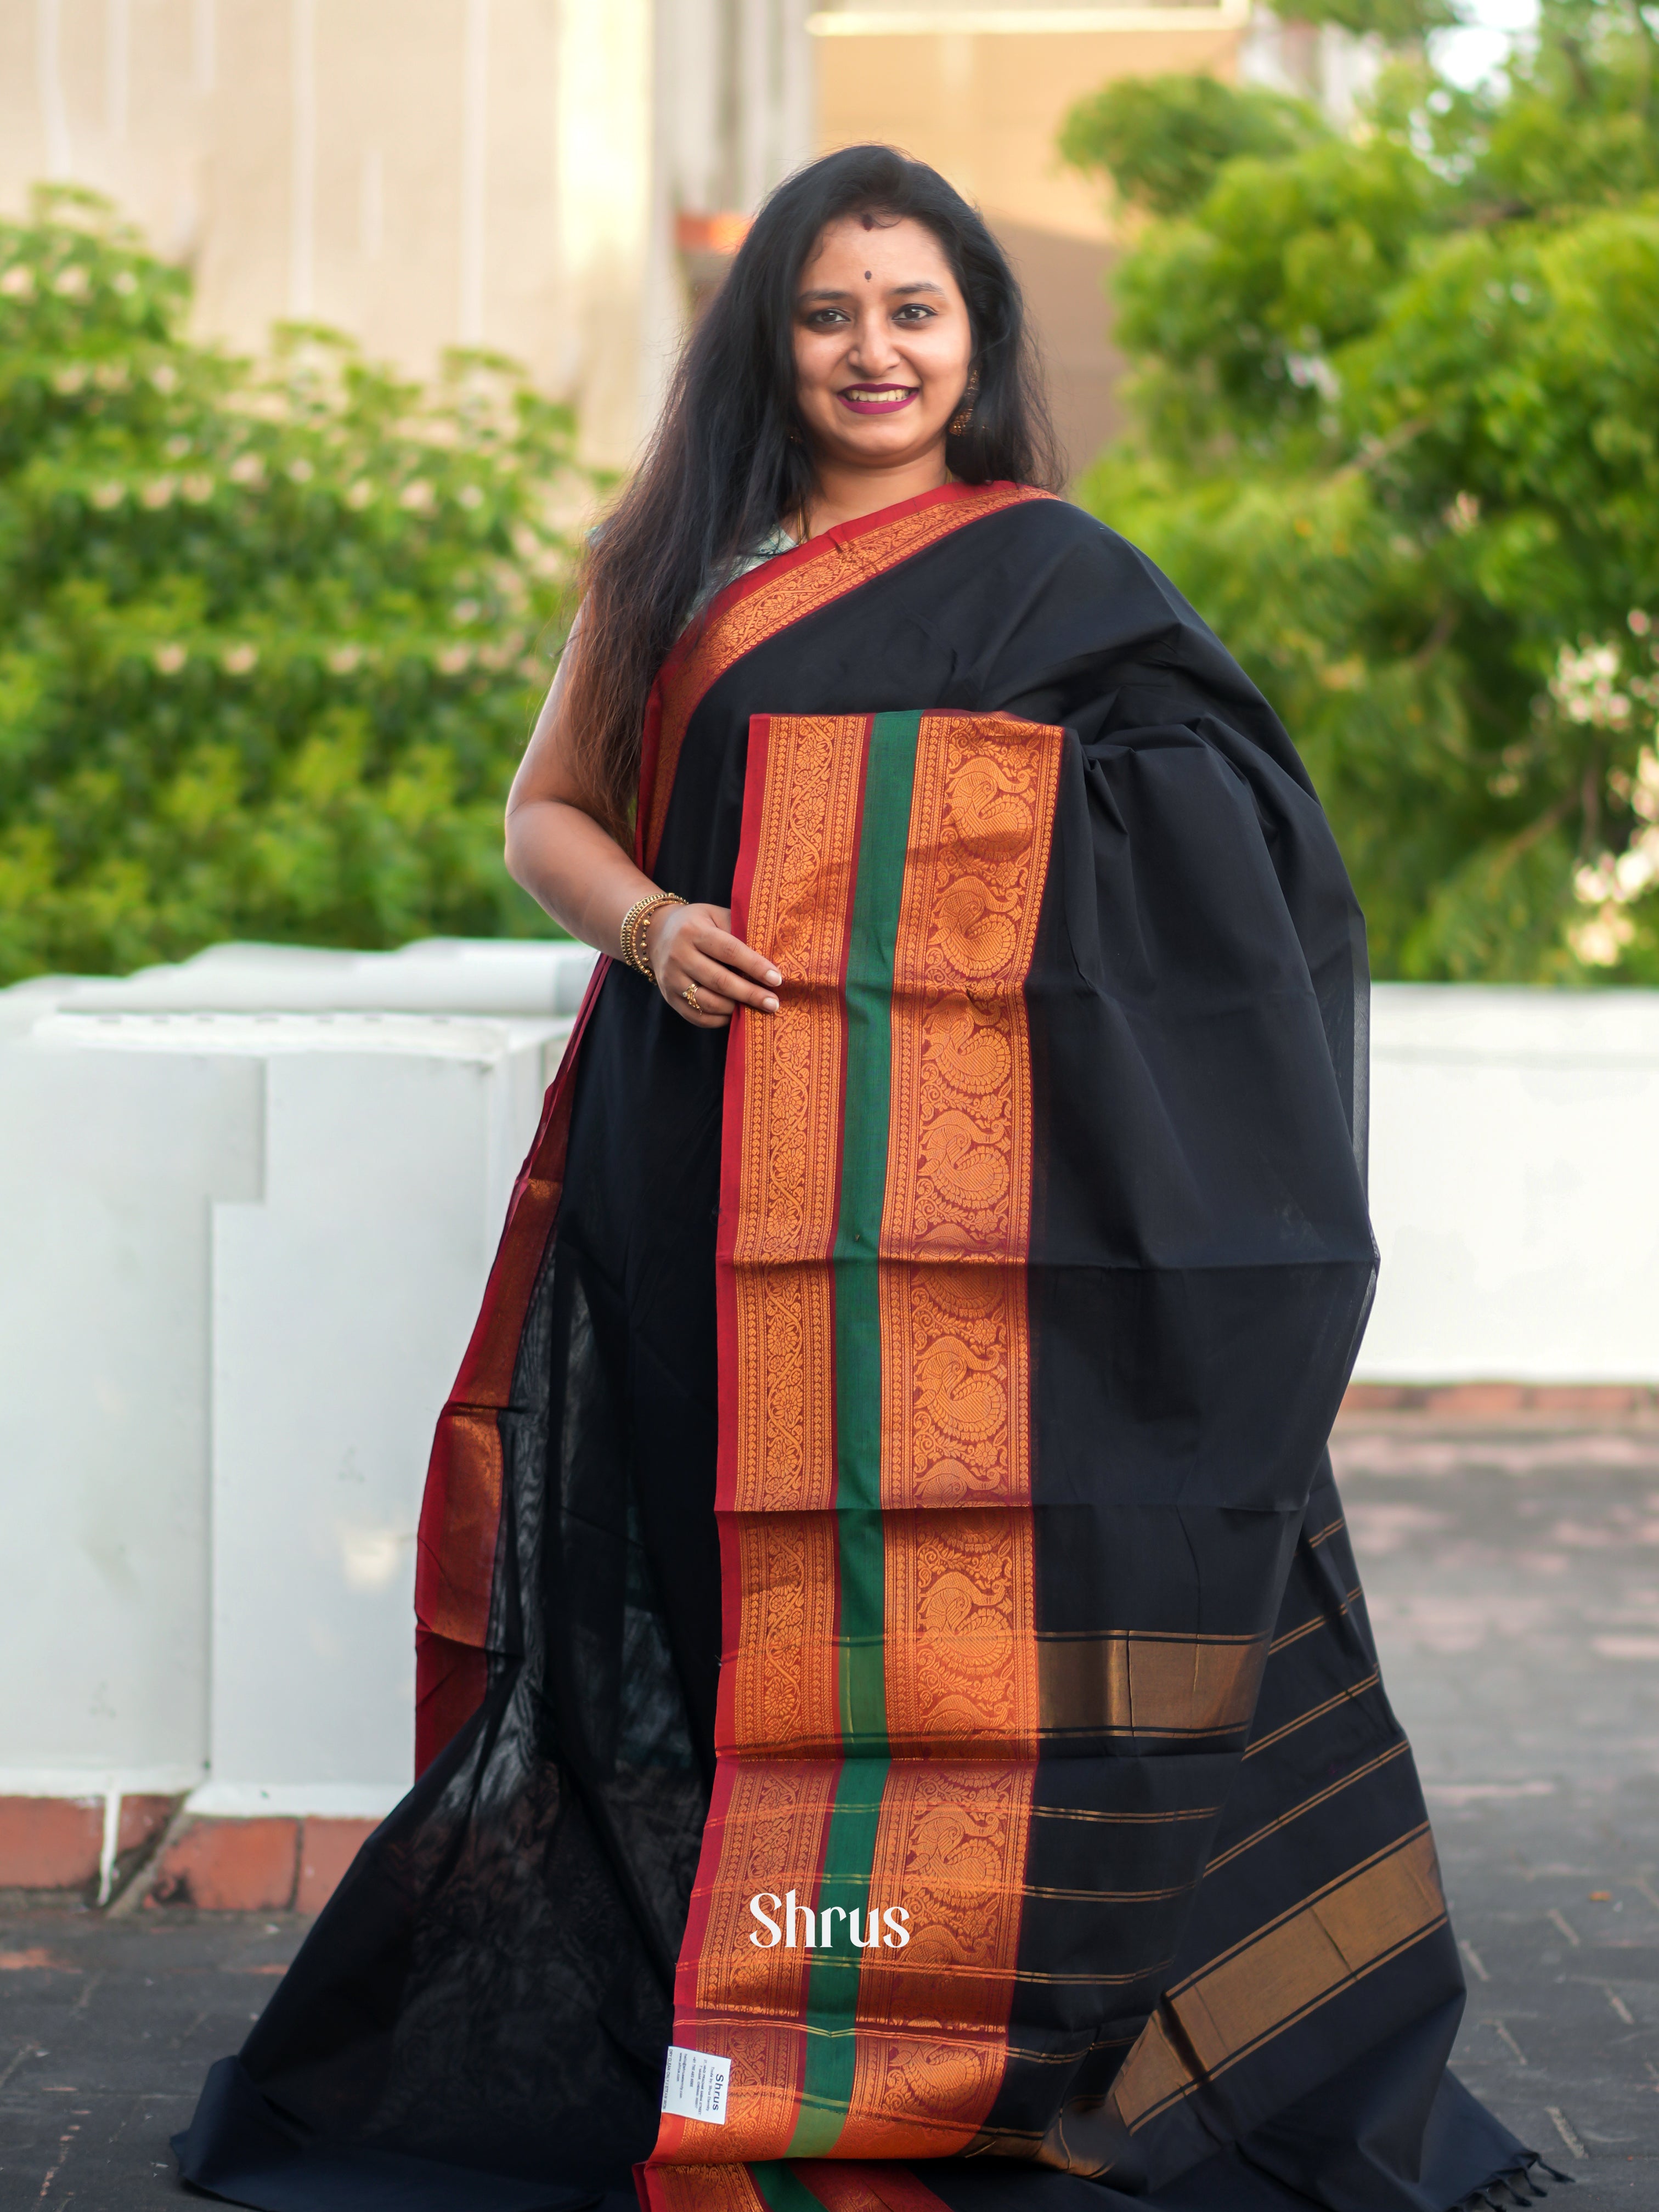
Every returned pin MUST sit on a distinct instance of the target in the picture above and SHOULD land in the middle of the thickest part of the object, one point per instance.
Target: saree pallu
(886, 1622)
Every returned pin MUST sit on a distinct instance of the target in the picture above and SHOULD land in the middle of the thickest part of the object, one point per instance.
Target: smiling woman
(869, 348)
(883, 358)
(889, 1473)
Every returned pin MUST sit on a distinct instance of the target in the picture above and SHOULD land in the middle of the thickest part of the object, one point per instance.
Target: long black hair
(723, 468)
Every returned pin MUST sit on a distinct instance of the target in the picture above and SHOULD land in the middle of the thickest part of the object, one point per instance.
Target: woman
(887, 1629)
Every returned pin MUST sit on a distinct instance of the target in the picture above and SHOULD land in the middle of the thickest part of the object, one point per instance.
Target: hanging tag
(694, 2087)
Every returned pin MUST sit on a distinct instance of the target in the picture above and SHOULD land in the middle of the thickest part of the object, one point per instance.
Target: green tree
(1161, 139)
(270, 639)
(1400, 24)
(1398, 402)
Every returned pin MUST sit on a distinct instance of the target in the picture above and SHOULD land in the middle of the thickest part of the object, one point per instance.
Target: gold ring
(689, 995)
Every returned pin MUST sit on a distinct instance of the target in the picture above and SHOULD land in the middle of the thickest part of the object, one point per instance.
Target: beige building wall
(530, 175)
(981, 93)
(421, 173)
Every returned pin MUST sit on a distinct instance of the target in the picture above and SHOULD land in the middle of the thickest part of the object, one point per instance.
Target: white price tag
(694, 2087)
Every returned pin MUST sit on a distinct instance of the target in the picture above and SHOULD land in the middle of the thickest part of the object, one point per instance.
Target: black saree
(885, 1500)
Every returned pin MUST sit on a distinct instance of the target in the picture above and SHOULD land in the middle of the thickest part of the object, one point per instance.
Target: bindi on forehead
(867, 276)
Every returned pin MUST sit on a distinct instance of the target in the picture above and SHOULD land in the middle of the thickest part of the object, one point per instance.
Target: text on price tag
(694, 2087)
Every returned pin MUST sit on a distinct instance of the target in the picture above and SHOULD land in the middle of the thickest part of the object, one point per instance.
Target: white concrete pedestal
(244, 1250)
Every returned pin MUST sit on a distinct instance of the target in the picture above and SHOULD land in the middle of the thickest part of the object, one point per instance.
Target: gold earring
(960, 421)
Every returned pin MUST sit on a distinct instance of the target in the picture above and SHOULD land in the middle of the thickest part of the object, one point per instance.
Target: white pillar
(244, 1252)
(111, 1164)
(342, 1300)
(605, 138)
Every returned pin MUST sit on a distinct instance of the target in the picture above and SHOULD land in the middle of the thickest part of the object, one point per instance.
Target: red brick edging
(1594, 1401)
(220, 1866)
(273, 1865)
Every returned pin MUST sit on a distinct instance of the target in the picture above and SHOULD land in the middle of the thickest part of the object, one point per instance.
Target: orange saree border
(785, 590)
(461, 1503)
(792, 900)
(775, 1480)
(780, 1191)
(959, 1538)
(948, 1837)
(767, 1826)
(950, 1849)
(697, 2189)
(955, 1451)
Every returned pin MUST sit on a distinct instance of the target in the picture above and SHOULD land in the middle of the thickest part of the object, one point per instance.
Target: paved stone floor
(1513, 1577)
(1513, 1580)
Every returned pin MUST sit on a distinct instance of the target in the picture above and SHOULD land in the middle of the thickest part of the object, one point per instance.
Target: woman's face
(883, 344)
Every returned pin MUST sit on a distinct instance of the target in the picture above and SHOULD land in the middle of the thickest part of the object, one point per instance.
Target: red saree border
(837, 2187)
(769, 1821)
(781, 592)
(867, 2188)
(697, 2189)
(461, 1504)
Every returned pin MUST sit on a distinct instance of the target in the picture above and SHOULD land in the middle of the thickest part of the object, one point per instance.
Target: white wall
(244, 1252)
(249, 1205)
(1513, 1186)
(109, 1175)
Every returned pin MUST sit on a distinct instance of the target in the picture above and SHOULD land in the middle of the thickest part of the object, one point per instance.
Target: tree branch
(1385, 448)
(1445, 623)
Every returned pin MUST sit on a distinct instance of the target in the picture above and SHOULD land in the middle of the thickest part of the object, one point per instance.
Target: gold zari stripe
(1137, 1685)
(1277, 1977)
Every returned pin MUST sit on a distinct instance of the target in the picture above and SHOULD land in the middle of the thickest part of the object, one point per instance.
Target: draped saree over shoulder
(885, 1617)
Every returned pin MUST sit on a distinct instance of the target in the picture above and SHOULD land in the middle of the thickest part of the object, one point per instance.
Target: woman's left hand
(691, 948)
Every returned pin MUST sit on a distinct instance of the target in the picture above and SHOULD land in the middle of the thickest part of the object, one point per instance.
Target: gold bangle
(633, 923)
(630, 922)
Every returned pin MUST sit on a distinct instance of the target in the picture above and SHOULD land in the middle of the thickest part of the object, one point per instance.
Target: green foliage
(1400, 407)
(269, 638)
(1398, 23)
(1161, 139)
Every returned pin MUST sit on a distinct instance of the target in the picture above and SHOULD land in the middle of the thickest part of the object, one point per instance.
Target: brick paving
(1514, 1579)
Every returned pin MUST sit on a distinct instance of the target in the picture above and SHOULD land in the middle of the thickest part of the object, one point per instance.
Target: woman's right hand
(692, 947)
(576, 867)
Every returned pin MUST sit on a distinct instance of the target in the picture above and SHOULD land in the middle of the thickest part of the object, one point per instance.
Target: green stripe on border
(884, 834)
(782, 2190)
(832, 1986)
(832, 1989)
